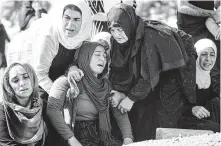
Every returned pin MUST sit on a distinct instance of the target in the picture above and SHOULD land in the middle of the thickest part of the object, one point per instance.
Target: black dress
(209, 100)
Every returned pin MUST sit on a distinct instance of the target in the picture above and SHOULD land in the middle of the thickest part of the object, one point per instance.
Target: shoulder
(59, 87)
(61, 81)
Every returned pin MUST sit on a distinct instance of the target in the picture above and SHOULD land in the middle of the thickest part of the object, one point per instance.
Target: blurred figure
(8, 17)
(26, 15)
(38, 6)
(211, 24)
(20, 47)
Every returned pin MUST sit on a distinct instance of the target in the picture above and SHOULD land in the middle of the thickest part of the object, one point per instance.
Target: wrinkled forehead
(70, 8)
(208, 50)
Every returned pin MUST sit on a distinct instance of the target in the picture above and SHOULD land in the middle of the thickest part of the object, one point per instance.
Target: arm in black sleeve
(140, 90)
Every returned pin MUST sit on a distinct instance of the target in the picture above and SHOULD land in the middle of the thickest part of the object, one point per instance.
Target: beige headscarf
(203, 79)
(86, 27)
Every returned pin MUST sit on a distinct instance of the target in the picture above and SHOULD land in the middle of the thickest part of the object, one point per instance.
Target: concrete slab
(166, 133)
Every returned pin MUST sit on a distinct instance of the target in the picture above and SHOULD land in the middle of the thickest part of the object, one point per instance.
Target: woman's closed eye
(120, 29)
(212, 54)
(25, 76)
(99, 54)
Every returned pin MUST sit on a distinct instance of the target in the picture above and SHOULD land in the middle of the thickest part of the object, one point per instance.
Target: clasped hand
(119, 100)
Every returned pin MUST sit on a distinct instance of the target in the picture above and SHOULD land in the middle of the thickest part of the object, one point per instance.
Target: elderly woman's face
(20, 82)
(207, 59)
(71, 22)
(98, 60)
(119, 34)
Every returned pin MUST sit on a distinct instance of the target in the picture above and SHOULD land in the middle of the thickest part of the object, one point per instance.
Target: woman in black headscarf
(152, 71)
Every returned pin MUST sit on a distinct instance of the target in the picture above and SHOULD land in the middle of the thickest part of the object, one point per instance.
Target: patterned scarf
(25, 124)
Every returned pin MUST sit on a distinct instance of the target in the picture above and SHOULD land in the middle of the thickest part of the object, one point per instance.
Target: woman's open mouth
(22, 90)
(70, 30)
(100, 65)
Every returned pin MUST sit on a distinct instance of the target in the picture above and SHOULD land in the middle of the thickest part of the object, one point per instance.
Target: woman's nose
(208, 57)
(102, 58)
(71, 23)
(22, 83)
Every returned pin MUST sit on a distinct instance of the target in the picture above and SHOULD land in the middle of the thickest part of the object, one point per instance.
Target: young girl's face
(98, 60)
(20, 82)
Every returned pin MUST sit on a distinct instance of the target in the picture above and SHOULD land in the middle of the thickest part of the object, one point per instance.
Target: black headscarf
(123, 61)
(152, 47)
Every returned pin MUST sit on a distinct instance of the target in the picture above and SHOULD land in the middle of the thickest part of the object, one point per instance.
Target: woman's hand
(116, 98)
(200, 112)
(127, 141)
(75, 73)
(74, 90)
(125, 105)
(73, 142)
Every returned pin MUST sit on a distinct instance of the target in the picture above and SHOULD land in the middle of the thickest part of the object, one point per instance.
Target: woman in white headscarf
(56, 46)
(206, 113)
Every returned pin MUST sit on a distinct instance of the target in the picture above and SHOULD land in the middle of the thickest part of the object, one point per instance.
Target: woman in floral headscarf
(21, 111)
(205, 114)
